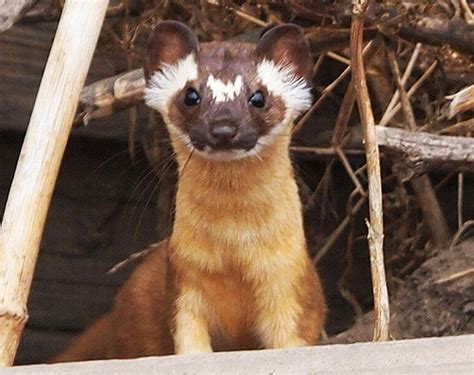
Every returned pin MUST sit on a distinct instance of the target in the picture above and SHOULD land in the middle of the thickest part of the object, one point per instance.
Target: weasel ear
(169, 42)
(287, 45)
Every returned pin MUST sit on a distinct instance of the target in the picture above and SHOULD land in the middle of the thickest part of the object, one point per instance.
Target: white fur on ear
(282, 82)
(170, 79)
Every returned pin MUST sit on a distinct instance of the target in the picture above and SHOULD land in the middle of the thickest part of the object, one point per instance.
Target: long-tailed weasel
(235, 273)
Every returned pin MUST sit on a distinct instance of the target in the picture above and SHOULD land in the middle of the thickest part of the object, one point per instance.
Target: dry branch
(367, 53)
(425, 150)
(423, 22)
(329, 242)
(12, 10)
(375, 237)
(103, 98)
(438, 31)
(424, 191)
(39, 162)
(461, 128)
(404, 79)
(462, 101)
(388, 115)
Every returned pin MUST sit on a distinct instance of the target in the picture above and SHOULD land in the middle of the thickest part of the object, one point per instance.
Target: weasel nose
(224, 132)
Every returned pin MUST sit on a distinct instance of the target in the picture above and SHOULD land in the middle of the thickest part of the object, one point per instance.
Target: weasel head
(227, 100)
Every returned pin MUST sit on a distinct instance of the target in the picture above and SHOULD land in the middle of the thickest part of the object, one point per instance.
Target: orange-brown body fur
(236, 262)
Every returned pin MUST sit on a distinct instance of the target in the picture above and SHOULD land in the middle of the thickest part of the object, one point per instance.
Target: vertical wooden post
(40, 158)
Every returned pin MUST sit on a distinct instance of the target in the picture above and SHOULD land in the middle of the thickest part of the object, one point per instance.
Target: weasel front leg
(279, 313)
(191, 329)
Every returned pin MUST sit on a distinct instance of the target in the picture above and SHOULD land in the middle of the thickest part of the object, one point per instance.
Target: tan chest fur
(238, 242)
(238, 214)
(230, 307)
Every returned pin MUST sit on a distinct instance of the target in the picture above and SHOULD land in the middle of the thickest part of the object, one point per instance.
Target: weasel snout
(222, 134)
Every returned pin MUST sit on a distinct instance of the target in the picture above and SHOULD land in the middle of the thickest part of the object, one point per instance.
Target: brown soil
(436, 300)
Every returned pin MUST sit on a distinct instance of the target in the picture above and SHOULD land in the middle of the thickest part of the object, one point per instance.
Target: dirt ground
(436, 300)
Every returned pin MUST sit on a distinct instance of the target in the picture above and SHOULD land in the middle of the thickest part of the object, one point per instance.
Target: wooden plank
(23, 52)
(88, 231)
(56, 268)
(98, 228)
(96, 208)
(12, 11)
(37, 345)
(67, 307)
(429, 355)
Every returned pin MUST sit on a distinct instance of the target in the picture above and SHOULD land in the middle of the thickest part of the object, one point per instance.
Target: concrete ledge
(440, 355)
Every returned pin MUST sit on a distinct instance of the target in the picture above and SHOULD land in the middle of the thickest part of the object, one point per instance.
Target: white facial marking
(182, 136)
(282, 82)
(221, 91)
(267, 139)
(225, 155)
(168, 81)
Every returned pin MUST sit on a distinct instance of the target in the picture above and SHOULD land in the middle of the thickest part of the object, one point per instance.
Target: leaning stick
(38, 165)
(429, 205)
(406, 74)
(375, 237)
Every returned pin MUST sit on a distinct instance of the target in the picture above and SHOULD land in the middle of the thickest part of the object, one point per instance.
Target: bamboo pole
(375, 237)
(38, 165)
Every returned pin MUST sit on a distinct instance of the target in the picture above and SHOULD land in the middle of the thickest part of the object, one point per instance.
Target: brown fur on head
(227, 100)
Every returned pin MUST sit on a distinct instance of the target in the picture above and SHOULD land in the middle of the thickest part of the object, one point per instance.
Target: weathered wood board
(23, 52)
(93, 224)
(420, 356)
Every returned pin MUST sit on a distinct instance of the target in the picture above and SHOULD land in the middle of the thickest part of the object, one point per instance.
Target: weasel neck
(237, 177)
(227, 212)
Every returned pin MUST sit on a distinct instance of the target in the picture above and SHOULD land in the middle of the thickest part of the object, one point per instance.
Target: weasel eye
(257, 99)
(191, 98)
